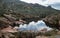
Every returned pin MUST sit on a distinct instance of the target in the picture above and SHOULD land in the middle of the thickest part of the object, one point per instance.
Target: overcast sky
(54, 3)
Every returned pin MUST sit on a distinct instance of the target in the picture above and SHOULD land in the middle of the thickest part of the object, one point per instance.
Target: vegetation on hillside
(17, 6)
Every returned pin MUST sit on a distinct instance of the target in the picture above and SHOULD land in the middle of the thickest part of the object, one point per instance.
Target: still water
(34, 26)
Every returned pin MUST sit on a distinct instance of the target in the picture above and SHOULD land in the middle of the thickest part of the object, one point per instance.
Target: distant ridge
(21, 7)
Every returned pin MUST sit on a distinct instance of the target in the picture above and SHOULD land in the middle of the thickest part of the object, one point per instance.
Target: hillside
(25, 11)
(16, 12)
(16, 6)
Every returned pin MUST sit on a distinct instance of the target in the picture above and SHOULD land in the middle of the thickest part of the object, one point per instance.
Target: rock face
(8, 35)
(8, 32)
(53, 21)
(9, 20)
(9, 25)
(5, 22)
(9, 17)
(6, 29)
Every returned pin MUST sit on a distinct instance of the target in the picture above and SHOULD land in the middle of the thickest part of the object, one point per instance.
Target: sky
(54, 3)
(34, 26)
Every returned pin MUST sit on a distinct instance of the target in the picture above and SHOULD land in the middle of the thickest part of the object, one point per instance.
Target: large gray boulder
(53, 21)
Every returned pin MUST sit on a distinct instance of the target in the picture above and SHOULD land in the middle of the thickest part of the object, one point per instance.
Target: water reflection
(34, 26)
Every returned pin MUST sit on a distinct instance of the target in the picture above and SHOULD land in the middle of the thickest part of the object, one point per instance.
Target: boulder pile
(53, 21)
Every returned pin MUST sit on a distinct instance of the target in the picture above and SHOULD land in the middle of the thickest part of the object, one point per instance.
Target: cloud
(56, 6)
(34, 26)
(45, 2)
(42, 2)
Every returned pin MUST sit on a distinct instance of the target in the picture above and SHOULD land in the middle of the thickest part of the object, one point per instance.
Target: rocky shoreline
(8, 27)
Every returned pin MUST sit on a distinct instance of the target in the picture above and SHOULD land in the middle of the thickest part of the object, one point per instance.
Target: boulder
(53, 21)
(4, 22)
(9, 17)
